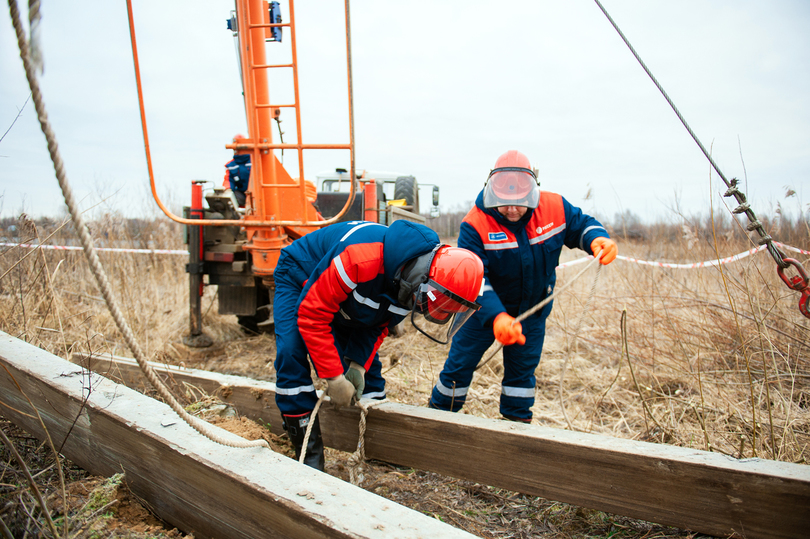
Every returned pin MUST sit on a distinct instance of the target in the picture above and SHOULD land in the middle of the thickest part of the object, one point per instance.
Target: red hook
(799, 283)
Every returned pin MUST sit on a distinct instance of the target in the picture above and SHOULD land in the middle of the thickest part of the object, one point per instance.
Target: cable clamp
(764, 240)
(800, 283)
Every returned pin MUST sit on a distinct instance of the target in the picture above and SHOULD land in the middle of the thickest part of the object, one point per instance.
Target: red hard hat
(237, 137)
(448, 297)
(459, 271)
(512, 182)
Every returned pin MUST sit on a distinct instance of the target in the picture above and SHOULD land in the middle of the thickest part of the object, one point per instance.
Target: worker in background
(237, 172)
(519, 232)
(237, 178)
(338, 290)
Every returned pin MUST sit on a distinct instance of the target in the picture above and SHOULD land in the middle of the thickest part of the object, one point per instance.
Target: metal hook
(800, 283)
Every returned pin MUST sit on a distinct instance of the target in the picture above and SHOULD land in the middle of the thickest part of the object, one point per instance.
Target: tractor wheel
(262, 320)
(405, 188)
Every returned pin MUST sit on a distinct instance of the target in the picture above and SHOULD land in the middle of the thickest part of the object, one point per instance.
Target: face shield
(438, 313)
(511, 186)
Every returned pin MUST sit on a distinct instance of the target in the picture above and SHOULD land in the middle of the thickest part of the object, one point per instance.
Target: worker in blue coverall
(237, 172)
(519, 232)
(338, 290)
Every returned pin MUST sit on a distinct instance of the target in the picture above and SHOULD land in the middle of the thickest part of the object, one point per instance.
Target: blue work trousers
(295, 392)
(519, 362)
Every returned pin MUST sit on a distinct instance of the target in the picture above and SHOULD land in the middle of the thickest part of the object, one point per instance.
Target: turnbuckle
(799, 283)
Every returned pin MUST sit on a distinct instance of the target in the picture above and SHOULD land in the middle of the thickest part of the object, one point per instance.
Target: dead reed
(713, 358)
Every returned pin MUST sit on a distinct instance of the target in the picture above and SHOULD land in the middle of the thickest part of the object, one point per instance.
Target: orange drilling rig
(235, 245)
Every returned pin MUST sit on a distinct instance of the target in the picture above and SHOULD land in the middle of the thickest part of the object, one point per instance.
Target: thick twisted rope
(357, 458)
(89, 249)
(309, 427)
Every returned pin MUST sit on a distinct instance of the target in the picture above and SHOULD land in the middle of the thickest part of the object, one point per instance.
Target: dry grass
(715, 359)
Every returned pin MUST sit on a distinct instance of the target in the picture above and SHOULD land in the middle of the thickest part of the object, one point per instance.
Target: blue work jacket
(520, 258)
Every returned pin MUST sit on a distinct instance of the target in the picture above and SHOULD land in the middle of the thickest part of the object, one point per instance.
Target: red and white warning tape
(107, 249)
(707, 263)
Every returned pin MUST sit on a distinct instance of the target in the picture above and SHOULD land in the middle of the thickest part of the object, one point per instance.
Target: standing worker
(520, 250)
(237, 172)
(338, 290)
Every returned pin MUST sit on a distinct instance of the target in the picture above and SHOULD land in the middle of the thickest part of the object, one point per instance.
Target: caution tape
(694, 265)
(107, 249)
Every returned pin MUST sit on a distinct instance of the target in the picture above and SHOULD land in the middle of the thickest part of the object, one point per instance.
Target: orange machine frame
(279, 208)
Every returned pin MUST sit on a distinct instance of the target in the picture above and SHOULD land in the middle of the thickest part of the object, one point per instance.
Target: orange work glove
(505, 332)
(609, 247)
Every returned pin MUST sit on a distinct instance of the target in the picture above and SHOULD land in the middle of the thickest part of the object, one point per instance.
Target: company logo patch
(497, 236)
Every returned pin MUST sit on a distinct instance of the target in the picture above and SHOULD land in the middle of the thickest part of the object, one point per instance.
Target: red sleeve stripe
(377, 344)
(315, 315)
(362, 262)
(356, 264)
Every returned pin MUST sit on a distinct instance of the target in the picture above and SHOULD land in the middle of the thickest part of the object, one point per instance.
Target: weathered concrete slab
(678, 486)
(191, 482)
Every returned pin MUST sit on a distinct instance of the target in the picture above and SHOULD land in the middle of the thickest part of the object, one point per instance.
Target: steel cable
(744, 206)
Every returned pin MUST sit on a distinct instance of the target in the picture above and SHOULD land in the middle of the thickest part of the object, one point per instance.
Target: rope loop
(357, 458)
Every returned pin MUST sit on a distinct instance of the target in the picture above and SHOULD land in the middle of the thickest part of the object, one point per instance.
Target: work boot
(296, 427)
(527, 420)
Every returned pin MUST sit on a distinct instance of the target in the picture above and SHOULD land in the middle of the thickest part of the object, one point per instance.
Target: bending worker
(338, 291)
(519, 232)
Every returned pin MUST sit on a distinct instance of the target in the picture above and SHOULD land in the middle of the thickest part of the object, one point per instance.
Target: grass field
(714, 358)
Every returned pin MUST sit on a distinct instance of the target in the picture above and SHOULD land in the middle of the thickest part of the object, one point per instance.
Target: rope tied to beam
(357, 458)
(100, 275)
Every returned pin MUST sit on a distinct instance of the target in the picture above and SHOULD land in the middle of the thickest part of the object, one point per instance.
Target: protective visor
(511, 186)
(438, 313)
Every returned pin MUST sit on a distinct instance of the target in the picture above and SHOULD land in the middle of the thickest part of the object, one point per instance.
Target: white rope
(92, 257)
(309, 427)
(357, 458)
(688, 265)
(100, 249)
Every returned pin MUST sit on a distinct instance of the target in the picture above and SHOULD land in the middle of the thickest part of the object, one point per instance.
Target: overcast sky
(441, 89)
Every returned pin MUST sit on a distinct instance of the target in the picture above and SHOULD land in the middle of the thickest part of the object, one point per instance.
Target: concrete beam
(687, 488)
(191, 482)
